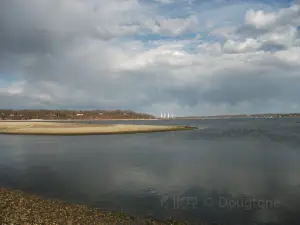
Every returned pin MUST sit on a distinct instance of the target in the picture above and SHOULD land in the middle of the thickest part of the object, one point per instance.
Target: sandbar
(57, 128)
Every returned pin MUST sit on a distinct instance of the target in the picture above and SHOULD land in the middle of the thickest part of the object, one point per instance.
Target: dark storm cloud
(17, 32)
(30, 41)
(185, 96)
(44, 26)
(240, 86)
(234, 89)
(15, 101)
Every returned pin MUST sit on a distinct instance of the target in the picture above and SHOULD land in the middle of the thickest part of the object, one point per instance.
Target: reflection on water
(230, 172)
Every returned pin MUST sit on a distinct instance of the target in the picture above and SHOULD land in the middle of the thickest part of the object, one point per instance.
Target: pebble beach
(18, 207)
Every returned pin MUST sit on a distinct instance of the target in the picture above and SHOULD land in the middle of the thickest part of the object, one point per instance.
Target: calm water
(242, 171)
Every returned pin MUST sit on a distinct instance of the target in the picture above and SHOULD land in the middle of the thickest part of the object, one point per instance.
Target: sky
(191, 57)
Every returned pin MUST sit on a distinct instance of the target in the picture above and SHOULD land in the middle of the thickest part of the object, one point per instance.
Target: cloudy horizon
(192, 57)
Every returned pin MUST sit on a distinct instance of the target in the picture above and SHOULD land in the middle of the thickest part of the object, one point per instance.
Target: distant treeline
(266, 115)
(9, 114)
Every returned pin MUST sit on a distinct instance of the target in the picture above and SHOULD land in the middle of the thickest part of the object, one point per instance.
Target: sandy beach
(56, 128)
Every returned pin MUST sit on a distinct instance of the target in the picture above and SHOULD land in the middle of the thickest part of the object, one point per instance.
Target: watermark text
(195, 202)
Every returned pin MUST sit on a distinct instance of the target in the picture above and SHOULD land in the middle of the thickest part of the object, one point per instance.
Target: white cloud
(282, 36)
(249, 45)
(207, 48)
(13, 89)
(165, 1)
(291, 57)
(261, 19)
(171, 26)
(101, 54)
(226, 32)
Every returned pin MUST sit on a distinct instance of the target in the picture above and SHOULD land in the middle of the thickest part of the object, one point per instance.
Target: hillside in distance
(28, 114)
(262, 115)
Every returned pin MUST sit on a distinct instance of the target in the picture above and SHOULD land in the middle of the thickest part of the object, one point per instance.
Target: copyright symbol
(208, 202)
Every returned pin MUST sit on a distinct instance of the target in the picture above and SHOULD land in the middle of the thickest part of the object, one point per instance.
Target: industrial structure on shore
(167, 115)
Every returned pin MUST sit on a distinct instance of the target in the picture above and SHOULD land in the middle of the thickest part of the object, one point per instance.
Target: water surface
(238, 171)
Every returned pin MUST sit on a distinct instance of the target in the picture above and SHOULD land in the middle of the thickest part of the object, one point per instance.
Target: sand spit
(56, 128)
(20, 208)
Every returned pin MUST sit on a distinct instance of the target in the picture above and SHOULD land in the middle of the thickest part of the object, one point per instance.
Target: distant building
(79, 114)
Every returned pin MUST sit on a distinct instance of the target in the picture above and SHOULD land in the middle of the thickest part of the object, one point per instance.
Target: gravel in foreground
(17, 207)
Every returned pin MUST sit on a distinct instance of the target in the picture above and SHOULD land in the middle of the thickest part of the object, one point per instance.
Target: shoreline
(71, 120)
(54, 128)
(19, 207)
